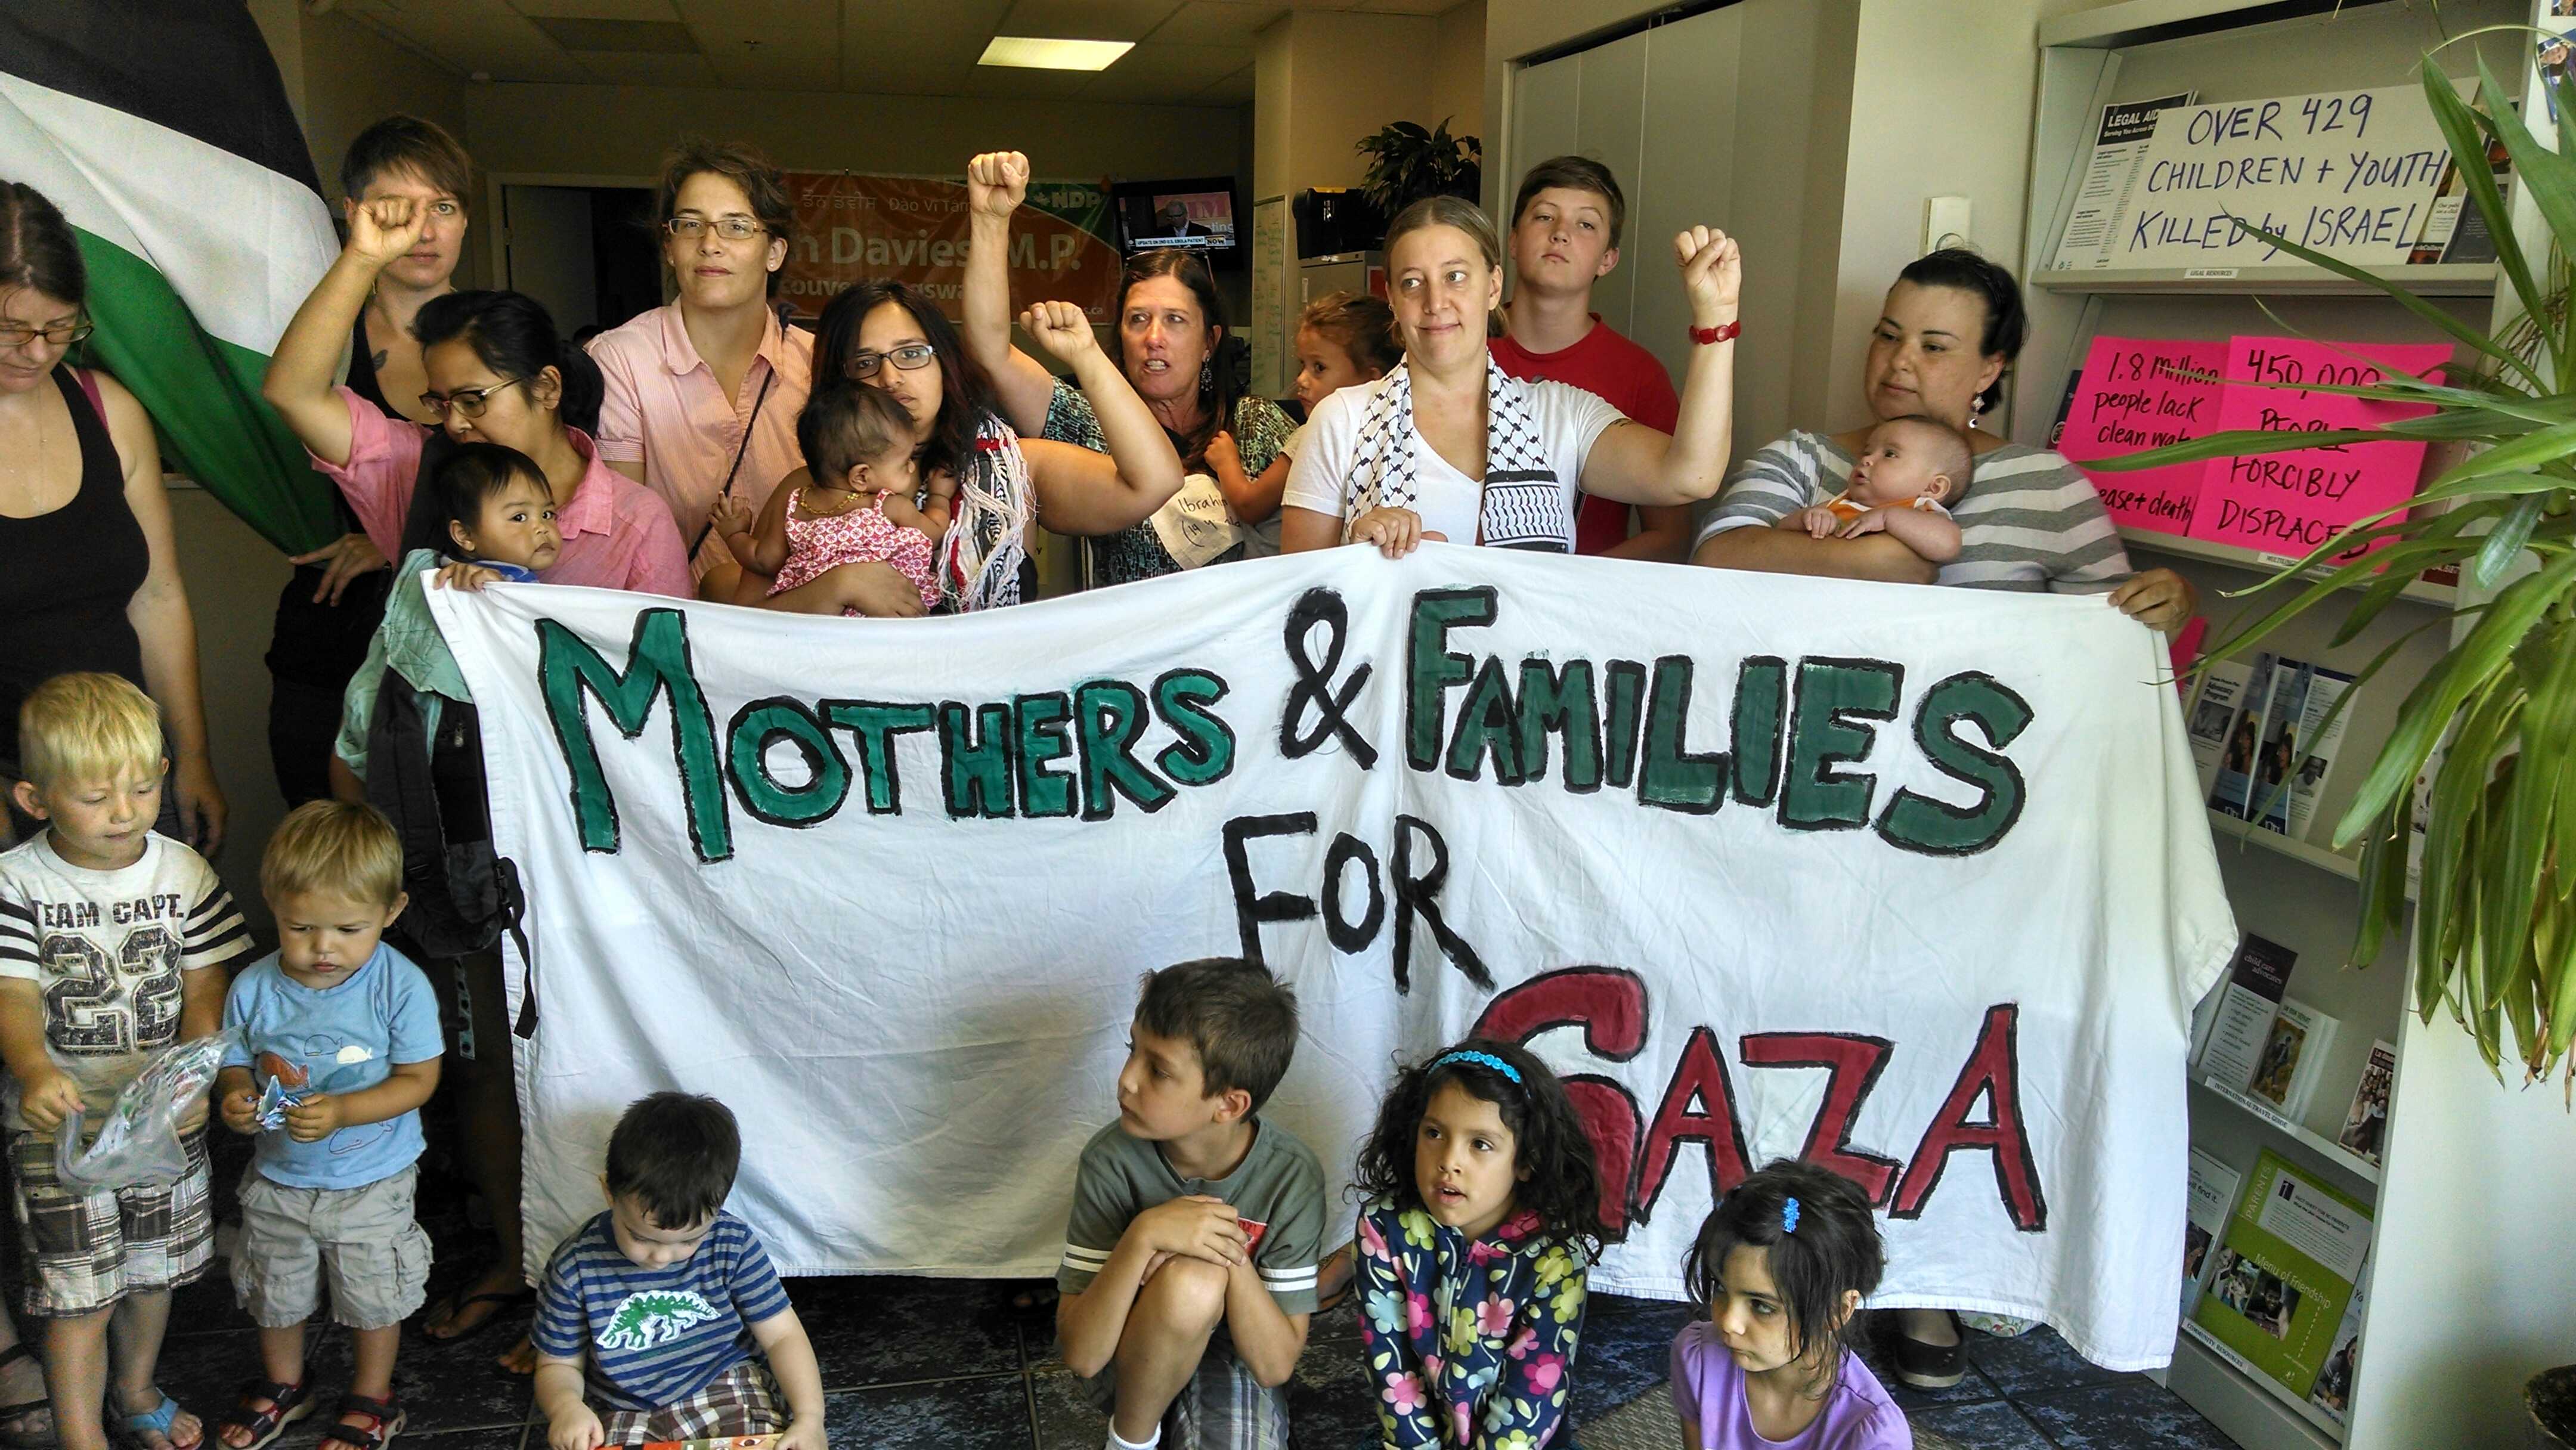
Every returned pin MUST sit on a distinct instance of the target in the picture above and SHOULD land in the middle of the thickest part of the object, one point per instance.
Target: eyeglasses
(60, 334)
(468, 402)
(731, 228)
(911, 357)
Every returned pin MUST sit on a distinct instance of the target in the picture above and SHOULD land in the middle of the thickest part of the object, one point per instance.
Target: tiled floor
(913, 1364)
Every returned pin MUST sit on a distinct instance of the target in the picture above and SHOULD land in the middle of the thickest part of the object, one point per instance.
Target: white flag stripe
(240, 244)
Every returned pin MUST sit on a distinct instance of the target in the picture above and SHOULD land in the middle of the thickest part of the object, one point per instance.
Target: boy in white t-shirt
(109, 937)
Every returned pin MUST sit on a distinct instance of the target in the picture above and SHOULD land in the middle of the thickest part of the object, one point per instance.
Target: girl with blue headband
(1779, 1273)
(1483, 1216)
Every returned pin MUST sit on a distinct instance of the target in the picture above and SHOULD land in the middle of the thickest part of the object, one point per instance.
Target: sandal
(507, 1301)
(286, 1405)
(157, 1421)
(387, 1413)
(19, 1413)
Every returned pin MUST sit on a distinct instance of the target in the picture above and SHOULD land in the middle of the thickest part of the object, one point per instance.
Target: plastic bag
(138, 1146)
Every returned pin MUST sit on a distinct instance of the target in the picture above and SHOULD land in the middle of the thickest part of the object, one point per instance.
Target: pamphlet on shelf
(2294, 1053)
(2318, 743)
(2110, 176)
(2277, 761)
(2256, 980)
(2365, 1123)
(2333, 1390)
(2213, 1198)
(2284, 1274)
(2239, 760)
(2213, 716)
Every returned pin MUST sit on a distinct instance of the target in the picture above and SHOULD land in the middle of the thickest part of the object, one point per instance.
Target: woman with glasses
(888, 335)
(497, 373)
(92, 578)
(703, 392)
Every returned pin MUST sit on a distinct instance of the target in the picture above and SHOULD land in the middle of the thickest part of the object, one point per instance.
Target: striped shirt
(1277, 1191)
(648, 1338)
(2030, 521)
(109, 952)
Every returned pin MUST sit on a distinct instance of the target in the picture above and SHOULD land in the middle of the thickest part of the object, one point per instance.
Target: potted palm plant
(1408, 163)
(2495, 917)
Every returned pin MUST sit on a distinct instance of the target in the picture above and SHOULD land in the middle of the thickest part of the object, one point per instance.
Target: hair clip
(1480, 1059)
(1789, 1216)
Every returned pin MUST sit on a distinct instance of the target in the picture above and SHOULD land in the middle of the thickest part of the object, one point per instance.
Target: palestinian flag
(162, 131)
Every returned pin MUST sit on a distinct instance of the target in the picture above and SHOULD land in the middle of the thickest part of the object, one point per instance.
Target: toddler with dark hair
(1189, 1260)
(658, 1308)
(1779, 1272)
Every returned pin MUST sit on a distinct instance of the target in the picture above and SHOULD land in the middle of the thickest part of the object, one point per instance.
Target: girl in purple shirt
(1780, 1269)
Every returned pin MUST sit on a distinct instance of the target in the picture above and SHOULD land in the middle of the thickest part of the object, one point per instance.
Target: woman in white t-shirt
(1447, 447)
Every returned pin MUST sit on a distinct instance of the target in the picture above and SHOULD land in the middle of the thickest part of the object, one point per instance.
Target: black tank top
(69, 576)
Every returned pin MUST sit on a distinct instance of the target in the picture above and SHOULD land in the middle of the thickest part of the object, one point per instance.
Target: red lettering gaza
(1610, 1006)
(1993, 1072)
(1855, 1062)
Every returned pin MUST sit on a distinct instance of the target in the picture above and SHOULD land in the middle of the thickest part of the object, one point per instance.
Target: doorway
(586, 252)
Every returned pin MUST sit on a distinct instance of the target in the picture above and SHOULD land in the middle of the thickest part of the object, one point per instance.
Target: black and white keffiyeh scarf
(979, 559)
(1522, 505)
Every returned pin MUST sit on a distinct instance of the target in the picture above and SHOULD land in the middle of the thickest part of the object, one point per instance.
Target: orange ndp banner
(914, 229)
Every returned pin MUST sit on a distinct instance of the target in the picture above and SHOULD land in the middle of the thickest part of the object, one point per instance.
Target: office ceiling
(1188, 52)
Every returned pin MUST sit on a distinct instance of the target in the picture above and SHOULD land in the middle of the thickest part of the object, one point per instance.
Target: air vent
(623, 37)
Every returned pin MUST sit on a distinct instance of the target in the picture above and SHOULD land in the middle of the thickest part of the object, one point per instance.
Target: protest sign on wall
(2289, 503)
(914, 228)
(1915, 883)
(2139, 393)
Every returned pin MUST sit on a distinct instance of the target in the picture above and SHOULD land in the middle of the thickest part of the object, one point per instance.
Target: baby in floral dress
(1482, 1219)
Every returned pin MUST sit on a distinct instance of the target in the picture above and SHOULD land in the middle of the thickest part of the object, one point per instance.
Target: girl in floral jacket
(1482, 1217)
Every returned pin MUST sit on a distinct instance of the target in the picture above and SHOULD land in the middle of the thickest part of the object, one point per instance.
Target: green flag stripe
(203, 394)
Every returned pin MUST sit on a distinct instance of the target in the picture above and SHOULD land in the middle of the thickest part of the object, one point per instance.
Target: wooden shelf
(2209, 552)
(2315, 1142)
(2333, 863)
(2456, 279)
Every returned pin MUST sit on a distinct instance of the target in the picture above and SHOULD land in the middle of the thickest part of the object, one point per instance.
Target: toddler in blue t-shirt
(659, 1309)
(339, 1048)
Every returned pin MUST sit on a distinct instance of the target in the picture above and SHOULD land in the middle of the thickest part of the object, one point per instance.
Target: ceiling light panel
(1031, 53)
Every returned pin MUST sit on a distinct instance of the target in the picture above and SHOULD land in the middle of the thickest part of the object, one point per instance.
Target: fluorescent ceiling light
(1022, 51)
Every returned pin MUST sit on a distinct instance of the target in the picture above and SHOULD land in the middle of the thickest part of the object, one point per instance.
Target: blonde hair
(85, 727)
(1362, 327)
(337, 847)
(1466, 216)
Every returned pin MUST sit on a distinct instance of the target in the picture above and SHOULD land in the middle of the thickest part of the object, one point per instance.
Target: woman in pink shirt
(703, 392)
(497, 372)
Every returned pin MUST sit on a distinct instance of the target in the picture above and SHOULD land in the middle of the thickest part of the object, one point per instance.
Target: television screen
(1195, 214)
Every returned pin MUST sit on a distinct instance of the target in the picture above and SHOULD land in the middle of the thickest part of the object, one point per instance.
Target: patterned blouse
(1137, 552)
(1470, 1344)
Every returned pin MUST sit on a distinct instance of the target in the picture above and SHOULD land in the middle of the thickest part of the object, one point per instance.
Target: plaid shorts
(85, 1251)
(1222, 1407)
(741, 1401)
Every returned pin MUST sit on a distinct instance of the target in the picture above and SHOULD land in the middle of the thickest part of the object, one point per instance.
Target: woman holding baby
(2026, 519)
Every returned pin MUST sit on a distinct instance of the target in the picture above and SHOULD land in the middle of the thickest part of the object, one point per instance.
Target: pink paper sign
(2136, 394)
(2289, 503)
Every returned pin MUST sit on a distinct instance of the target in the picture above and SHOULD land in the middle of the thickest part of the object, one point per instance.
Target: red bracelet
(1723, 332)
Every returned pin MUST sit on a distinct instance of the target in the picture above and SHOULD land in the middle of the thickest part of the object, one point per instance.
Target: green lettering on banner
(1761, 692)
(1561, 700)
(1109, 716)
(657, 661)
(1043, 792)
(875, 723)
(1832, 693)
(977, 747)
(1487, 725)
(747, 742)
(1431, 671)
(1936, 828)
(1673, 777)
(1627, 688)
(1204, 754)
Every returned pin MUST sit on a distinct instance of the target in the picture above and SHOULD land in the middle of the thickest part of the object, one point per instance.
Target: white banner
(1914, 882)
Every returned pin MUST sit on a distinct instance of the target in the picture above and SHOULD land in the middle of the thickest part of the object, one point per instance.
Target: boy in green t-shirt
(1189, 1258)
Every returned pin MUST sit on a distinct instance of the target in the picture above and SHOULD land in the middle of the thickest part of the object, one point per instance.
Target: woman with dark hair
(92, 579)
(1170, 325)
(889, 335)
(1950, 329)
(497, 372)
(91, 583)
(703, 391)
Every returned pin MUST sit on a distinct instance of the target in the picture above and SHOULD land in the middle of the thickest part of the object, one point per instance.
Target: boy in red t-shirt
(1565, 236)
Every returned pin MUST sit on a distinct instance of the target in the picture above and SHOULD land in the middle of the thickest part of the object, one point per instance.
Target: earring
(1976, 406)
(1207, 376)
